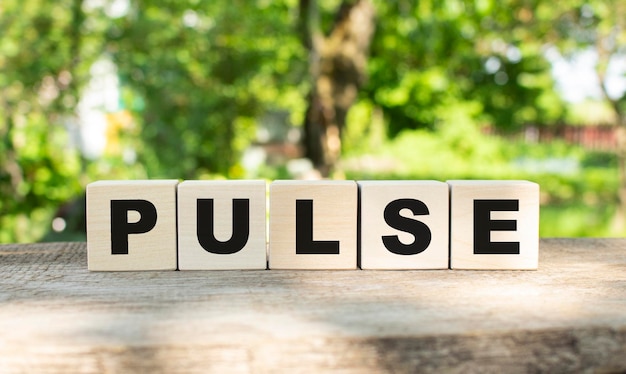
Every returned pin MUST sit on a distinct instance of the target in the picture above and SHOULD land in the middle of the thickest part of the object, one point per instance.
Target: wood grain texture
(375, 197)
(568, 316)
(464, 194)
(191, 254)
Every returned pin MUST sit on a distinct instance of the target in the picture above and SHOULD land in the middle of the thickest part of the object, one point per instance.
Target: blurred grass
(578, 187)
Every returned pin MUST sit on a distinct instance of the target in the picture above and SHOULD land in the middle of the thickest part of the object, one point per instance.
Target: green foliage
(196, 75)
(204, 77)
(427, 53)
(42, 64)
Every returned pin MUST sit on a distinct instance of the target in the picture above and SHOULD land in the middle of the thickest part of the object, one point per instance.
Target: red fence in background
(596, 137)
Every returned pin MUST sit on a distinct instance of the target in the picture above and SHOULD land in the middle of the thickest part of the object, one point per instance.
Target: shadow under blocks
(137, 225)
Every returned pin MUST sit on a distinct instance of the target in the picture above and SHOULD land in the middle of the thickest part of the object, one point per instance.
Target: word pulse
(222, 225)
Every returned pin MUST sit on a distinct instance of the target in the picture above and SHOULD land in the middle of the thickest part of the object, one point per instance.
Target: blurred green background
(362, 89)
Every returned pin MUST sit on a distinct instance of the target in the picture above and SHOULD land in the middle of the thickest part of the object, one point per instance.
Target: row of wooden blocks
(411, 224)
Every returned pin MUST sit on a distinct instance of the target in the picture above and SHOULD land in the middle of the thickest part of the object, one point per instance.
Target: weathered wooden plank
(568, 316)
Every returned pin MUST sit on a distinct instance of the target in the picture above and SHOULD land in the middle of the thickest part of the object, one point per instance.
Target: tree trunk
(337, 66)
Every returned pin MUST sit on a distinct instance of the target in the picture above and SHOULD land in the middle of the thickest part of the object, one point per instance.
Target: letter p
(121, 228)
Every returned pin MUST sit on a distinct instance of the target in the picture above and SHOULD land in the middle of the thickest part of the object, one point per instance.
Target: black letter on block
(241, 227)
(121, 228)
(305, 245)
(483, 225)
(418, 229)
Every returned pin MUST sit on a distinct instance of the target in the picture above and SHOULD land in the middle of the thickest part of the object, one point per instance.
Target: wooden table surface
(569, 316)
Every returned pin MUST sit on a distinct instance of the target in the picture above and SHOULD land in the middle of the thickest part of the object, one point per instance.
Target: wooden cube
(403, 224)
(131, 225)
(494, 224)
(313, 225)
(221, 225)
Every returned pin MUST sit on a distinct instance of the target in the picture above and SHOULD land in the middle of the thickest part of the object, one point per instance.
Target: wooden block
(131, 225)
(404, 224)
(221, 225)
(313, 225)
(494, 224)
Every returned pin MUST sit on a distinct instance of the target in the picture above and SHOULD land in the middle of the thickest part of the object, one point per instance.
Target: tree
(45, 53)
(338, 64)
(204, 70)
(428, 55)
(194, 74)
